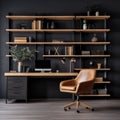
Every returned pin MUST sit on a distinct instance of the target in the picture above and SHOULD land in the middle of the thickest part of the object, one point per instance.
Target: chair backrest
(85, 81)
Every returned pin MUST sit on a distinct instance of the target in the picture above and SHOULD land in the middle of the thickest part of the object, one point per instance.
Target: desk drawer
(17, 87)
(17, 94)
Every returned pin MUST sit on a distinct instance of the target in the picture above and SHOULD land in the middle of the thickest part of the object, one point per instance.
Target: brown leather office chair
(82, 84)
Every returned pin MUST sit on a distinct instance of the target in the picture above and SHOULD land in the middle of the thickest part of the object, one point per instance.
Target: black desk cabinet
(16, 88)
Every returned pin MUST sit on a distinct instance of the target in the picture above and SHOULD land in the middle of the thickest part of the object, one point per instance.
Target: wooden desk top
(39, 74)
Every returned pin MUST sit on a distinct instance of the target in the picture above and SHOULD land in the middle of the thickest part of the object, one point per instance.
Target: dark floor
(53, 110)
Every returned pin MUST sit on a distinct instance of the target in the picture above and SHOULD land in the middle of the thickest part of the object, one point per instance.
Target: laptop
(43, 66)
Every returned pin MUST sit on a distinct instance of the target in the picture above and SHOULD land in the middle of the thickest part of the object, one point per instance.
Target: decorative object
(20, 66)
(99, 65)
(57, 71)
(49, 52)
(94, 38)
(84, 25)
(63, 60)
(29, 39)
(97, 13)
(56, 50)
(91, 63)
(88, 13)
(39, 24)
(52, 26)
(20, 54)
(34, 22)
(72, 60)
(68, 50)
(96, 9)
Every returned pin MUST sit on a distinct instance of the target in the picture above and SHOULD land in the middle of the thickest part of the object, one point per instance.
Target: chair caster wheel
(93, 109)
(78, 111)
(65, 109)
(69, 108)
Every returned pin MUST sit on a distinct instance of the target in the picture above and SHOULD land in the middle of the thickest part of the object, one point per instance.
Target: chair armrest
(68, 85)
(67, 82)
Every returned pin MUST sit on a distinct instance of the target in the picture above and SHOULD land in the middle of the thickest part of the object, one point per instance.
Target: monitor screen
(42, 64)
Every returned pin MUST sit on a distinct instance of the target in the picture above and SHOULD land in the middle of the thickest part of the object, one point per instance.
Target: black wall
(63, 7)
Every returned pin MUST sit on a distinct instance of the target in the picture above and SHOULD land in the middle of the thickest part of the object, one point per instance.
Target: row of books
(36, 24)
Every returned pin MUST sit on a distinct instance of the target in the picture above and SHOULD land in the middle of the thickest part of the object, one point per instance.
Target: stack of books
(20, 39)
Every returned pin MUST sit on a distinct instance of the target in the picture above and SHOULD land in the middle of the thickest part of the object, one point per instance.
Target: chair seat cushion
(68, 87)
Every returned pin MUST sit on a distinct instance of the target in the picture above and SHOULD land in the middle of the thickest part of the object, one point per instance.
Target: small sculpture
(94, 38)
(84, 25)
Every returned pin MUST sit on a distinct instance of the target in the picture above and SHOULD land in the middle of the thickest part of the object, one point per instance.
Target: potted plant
(20, 54)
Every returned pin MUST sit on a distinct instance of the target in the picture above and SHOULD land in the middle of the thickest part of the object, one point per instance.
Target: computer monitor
(43, 65)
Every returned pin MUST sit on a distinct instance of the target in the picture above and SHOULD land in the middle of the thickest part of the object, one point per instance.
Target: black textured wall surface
(62, 7)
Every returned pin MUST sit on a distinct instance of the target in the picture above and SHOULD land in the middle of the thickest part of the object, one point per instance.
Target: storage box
(102, 91)
(97, 52)
(98, 79)
(85, 52)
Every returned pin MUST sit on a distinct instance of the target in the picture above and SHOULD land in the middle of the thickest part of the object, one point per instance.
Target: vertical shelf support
(105, 48)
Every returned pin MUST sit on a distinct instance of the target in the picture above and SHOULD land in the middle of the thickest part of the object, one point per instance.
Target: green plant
(20, 54)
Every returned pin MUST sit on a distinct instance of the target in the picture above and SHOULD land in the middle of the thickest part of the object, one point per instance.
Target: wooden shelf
(103, 82)
(58, 17)
(61, 43)
(41, 17)
(96, 95)
(70, 56)
(57, 30)
(23, 30)
(76, 56)
(102, 69)
(93, 17)
(12, 17)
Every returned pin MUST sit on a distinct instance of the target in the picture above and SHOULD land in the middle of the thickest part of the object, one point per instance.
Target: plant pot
(20, 66)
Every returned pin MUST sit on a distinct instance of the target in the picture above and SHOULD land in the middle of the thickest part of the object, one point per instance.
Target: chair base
(77, 104)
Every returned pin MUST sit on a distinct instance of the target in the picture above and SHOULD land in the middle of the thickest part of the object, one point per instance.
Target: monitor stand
(43, 70)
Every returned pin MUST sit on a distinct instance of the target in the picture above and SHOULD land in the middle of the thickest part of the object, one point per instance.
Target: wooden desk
(40, 74)
(16, 83)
